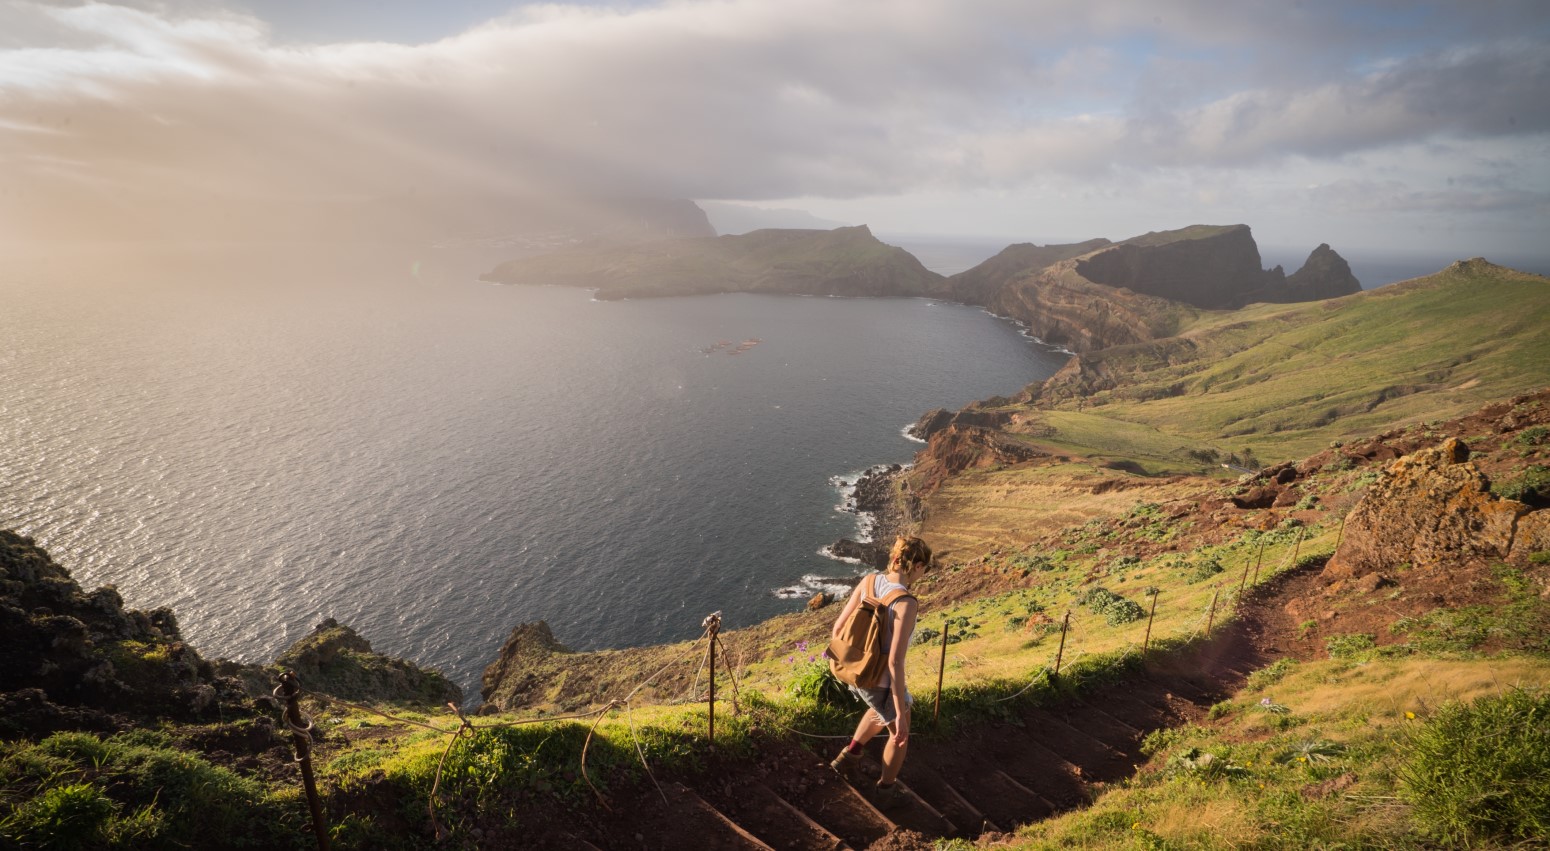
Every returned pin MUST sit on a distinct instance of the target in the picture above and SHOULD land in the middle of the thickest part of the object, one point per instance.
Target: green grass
(76, 790)
(1284, 381)
(1480, 771)
(1398, 753)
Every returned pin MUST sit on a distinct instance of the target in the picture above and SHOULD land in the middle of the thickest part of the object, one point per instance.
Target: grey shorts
(879, 700)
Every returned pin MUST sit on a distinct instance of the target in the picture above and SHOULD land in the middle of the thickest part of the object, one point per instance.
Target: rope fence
(289, 691)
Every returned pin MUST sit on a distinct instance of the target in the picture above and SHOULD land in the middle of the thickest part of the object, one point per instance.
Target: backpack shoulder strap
(866, 584)
(893, 597)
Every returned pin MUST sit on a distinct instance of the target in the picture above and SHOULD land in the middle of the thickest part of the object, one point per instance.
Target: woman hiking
(888, 704)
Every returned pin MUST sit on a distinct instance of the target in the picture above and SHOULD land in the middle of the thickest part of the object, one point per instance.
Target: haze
(1370, 125)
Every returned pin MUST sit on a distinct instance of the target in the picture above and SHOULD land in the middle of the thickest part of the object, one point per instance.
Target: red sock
(854, 747)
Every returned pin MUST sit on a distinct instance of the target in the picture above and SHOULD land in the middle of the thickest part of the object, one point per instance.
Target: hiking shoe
(891, 797)
(848, 765)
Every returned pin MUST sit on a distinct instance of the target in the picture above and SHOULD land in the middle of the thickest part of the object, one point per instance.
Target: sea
(264, 437)
(261, 438)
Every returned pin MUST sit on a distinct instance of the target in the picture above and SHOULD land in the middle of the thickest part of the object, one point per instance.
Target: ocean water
(262, 439)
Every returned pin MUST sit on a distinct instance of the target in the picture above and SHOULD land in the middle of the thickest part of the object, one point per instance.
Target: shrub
(1271, 674)
(814, 681)
(1356, 645)
(1115, 609)
(1476, 771)
(1531, 486)
(1204, 569)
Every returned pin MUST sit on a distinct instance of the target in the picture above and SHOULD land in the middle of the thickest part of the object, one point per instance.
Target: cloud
(741, 99)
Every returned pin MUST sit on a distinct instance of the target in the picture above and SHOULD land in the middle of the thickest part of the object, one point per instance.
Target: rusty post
(1064, 625)
(1341, 535)
(941, 669)
(1211, 618)
(1147, 641)
(713, 624)
(1258, 560)
(301, 737)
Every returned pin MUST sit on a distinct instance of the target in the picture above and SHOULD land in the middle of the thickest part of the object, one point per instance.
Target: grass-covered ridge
(1284, 381)
(844, 261)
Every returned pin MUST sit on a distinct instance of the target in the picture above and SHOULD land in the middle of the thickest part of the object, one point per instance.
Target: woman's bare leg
(869, 727)
(893, 760)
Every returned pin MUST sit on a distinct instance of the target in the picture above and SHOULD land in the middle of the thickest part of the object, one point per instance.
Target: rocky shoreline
(878, 499)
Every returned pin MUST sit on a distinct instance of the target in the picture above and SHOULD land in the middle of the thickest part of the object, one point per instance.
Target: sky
(1367, 124)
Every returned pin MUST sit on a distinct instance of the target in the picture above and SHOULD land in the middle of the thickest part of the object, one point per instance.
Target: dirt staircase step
(1101, 715)
(720, 831)
(818, 791)
(1098, 724)
(1145, 710)
(915, 814)
(966, 818)
(567, 842)
(973, 775)
(1095, 757)
(1043, 771)
(776, 821)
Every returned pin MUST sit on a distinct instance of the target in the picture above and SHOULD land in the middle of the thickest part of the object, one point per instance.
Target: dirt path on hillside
(989, 778)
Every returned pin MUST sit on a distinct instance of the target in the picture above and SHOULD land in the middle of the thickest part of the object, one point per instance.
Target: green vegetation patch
(1477, 771)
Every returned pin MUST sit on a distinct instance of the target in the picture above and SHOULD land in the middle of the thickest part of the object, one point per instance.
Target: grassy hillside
(1284, 381)
(843, 261)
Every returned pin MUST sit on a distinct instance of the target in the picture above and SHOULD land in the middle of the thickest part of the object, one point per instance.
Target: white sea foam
(908, 431)
(812, 584)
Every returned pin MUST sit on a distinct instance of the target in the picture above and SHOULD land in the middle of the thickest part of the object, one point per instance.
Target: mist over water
(262, 440)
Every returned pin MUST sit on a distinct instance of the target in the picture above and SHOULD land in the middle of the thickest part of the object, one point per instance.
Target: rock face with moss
(336, 660)
(78, 659)
(1430, 508)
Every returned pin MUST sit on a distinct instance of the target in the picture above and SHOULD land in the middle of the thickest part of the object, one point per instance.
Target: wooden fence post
(301, 738)
(941, 669)
(1059, 654)
(1259, 559)
(1211, 618)
(713, 624)
(1147, 641)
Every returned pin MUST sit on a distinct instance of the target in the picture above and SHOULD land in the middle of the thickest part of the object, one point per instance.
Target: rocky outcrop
(959, 448)
(1433, 508)
(1062, 308)
(940, 418)
(76, 659)
(1215, 268)
(981, 284)
(525, 662)
(1324, 274)
(335, 660)
(840, 262)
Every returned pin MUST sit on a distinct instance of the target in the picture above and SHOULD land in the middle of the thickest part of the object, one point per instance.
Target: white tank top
(881, 588)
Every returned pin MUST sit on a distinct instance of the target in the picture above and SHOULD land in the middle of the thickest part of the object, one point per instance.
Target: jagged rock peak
(1325, 274)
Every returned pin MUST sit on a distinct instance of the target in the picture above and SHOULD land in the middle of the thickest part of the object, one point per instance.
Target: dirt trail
(990, 778)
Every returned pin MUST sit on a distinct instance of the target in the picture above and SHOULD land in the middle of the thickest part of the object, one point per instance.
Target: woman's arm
(903, 625)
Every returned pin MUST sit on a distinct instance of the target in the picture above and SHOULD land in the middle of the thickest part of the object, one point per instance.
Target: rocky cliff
(335, 660)
(1063, 308)
(981, 284)
(839, 262)
(78, 659)
(1215, 268)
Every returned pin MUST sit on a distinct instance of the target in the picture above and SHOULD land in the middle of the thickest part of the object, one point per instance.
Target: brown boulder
(1428, 509)
(819, 600)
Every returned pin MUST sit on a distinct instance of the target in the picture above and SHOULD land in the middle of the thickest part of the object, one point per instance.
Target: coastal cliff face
(79, 660)
(1217, 268)
(981, 284)
(839, 262)
(1062, 308)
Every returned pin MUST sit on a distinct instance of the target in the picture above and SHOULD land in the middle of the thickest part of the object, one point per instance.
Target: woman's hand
(900, 728)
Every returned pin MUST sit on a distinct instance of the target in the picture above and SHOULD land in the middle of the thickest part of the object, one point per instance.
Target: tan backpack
(858, 656)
